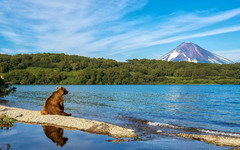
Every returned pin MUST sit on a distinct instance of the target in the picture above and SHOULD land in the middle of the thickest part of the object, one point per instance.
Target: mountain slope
(190, 52)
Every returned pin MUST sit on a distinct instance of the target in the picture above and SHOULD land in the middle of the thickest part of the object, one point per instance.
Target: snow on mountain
(190, 52)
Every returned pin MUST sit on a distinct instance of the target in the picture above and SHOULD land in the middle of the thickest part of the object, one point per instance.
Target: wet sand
(213, 139)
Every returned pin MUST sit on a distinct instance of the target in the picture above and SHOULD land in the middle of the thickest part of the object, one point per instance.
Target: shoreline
(65, 122)
(222, 141)
(102, 128)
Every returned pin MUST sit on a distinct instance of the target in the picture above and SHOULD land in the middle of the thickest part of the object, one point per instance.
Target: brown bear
(54, 103)
(55, 134)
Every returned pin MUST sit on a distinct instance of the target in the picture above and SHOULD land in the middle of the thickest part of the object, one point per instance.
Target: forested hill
(48, 68)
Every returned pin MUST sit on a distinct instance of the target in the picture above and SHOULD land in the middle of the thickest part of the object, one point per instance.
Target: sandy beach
(96, 127)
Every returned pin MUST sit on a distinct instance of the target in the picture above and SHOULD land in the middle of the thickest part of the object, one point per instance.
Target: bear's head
(62, 90)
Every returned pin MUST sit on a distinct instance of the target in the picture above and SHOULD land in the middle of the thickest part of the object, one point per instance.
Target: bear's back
(52, 100)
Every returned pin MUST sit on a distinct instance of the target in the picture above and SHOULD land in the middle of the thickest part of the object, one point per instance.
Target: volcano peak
(190, 52)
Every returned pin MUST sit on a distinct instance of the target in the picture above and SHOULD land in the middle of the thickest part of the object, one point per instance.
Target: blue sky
(119, 29)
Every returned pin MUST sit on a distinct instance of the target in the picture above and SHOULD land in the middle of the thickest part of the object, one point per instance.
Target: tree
(3, 67)
(47, 68)
(5, 88)
(20, 77)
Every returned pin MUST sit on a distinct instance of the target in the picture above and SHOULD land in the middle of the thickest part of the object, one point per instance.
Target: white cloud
(62, 25)
(11, 51)
(12, 36)
(91, 26)
(233, 55)
(201, 34)
(167, 32)
(6, 51)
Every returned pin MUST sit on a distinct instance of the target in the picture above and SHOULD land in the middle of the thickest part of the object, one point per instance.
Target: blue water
(31, 137)
(146, 108)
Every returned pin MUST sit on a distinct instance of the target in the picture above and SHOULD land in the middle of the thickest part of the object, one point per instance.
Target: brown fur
(55, 134)
(54, 103)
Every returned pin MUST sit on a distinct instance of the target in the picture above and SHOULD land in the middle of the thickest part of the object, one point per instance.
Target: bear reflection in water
(55, 134)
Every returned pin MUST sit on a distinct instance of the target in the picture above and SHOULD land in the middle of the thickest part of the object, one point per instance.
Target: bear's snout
(66, 92)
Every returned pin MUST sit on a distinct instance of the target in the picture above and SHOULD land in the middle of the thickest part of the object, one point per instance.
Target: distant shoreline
(116, 84)
(50, 68)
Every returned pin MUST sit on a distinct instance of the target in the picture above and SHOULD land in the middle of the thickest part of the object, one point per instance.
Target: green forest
(51, 68)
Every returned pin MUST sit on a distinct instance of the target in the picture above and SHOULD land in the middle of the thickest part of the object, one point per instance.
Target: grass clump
(6, 121)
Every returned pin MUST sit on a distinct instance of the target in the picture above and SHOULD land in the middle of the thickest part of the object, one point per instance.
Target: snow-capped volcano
(188, 51)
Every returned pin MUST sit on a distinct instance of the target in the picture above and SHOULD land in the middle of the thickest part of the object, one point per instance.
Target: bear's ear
(57, 88)
(61, 87)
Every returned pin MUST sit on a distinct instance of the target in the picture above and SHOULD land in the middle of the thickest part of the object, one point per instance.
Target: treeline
(49, 68)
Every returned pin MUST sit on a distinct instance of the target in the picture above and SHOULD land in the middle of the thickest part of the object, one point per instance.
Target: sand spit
(213, 139)
(96, 127)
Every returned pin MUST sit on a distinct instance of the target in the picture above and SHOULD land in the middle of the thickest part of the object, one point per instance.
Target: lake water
(198, 109)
